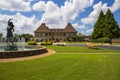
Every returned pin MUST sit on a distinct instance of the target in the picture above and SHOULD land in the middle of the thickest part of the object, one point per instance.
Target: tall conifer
(106, 26)
(97, 32)
(111, 29)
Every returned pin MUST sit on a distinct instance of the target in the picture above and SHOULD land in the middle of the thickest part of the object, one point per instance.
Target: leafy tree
(16, 35)
(26, 36)
(80, 34)
(1, 35)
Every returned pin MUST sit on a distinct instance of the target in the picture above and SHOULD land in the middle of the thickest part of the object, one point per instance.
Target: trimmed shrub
(32, 43)
(100, 40)
(103, 40)
(46, 43)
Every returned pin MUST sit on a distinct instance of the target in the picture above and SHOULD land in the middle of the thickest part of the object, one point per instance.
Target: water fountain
(13, 47)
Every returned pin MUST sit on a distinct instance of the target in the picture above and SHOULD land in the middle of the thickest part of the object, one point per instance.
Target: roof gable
(69, 28)
(42, 28)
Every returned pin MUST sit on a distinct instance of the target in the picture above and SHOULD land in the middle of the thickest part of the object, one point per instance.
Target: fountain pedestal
(11, 48)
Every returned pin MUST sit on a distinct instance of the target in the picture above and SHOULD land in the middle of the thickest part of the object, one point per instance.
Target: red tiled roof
(42, 28)
(69, 28)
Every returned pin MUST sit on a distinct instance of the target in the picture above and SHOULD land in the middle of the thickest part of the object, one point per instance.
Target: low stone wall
(15, 54)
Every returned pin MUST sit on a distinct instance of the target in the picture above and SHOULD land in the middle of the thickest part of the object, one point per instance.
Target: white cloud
(91, 19)
(115, 6)
(87, 32)
(58, 17)
(53, 15)
(40, 6)
(104, 8)
(15, 5)
(93, 16)
(22, 24)
(76, 25)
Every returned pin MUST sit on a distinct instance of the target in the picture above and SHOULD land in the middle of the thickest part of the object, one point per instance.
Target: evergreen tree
(97, 32)
(111, 28)
(106, 26)
(1, 35)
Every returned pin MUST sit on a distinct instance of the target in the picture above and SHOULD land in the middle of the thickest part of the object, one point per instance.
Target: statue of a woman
(10, 30)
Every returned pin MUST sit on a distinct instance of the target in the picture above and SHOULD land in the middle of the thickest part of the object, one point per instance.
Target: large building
(44, 33)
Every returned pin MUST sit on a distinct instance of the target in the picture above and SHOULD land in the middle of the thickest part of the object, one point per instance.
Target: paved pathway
(111, 47)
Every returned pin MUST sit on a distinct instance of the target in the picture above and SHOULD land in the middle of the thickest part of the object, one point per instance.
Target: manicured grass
(116, 44)
(80, 49)
(64, 67)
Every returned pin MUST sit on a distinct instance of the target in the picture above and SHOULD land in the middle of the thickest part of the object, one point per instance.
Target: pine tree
(97, 32)
(1, 35)
(106, 26)
(111, 28)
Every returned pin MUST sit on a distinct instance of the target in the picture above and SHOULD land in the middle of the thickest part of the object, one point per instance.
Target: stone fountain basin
(22, 53)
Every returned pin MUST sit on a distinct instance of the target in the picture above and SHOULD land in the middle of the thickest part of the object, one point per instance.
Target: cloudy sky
(27, 15)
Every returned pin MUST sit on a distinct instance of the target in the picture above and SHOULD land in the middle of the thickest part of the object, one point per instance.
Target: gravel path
(50, 52)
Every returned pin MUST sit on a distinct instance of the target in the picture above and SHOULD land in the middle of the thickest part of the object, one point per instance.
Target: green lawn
(116, 44)
(65, 66)
(80, 49)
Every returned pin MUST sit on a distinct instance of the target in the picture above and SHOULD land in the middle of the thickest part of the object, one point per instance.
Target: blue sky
(27, 15)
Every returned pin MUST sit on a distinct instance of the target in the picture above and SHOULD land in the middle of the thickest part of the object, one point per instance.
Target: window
(67, 34)
(64, 34)
(49, 34)
(39, 34)
(43, 34)
(46, 34)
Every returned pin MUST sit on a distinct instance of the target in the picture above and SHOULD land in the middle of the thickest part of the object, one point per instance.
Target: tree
(16, 35)
(106, 26)
(80, 34)
(111, 29)
(26, 36)
(1, 35)
(97, 32)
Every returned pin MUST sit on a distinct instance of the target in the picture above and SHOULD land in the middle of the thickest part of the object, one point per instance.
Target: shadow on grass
(96, 48)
